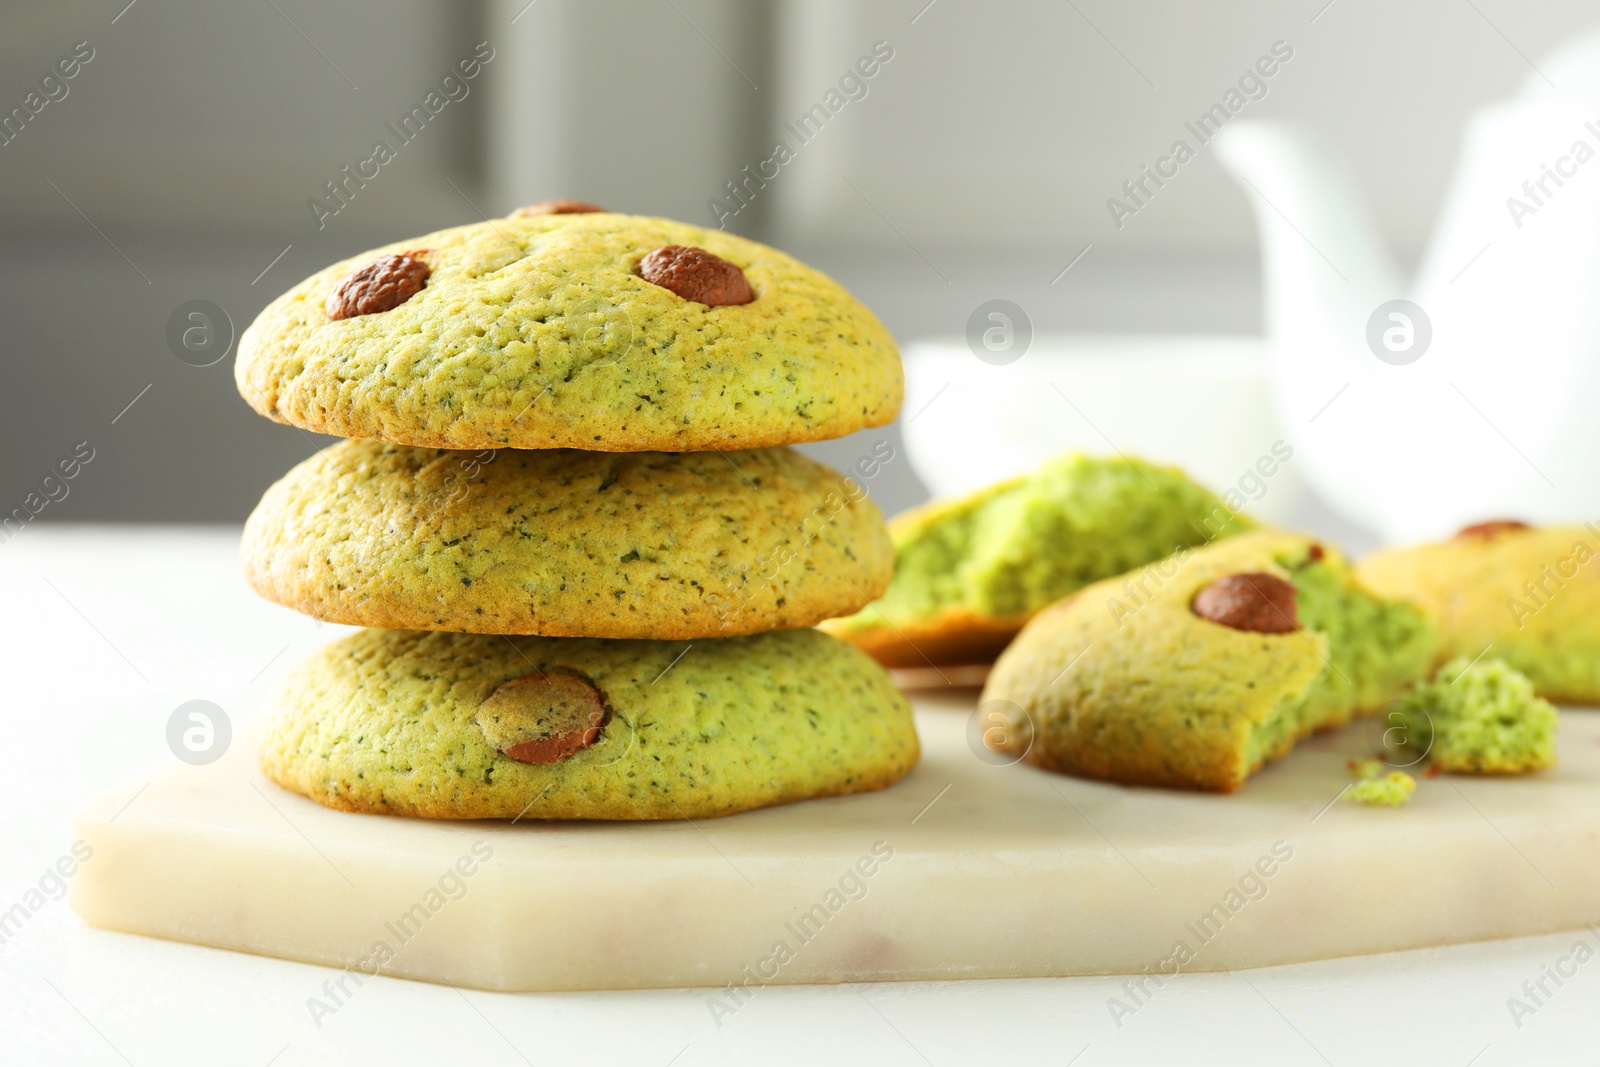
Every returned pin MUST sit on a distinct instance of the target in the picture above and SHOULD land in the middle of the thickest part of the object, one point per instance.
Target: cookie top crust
(541, 332)
(1531, 594)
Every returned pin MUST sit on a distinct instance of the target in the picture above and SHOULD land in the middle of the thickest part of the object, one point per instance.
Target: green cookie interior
(1015, 547)
(1374, 647)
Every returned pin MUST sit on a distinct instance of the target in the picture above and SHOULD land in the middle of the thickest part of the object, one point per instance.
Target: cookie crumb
(1390, 791)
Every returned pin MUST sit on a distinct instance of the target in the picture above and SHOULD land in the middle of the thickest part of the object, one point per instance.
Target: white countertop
(106, 630)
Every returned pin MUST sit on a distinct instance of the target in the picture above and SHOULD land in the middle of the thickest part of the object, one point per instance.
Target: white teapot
(1471, 393)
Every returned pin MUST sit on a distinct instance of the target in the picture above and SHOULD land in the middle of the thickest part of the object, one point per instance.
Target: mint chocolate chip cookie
(566, 327)
(473, 726)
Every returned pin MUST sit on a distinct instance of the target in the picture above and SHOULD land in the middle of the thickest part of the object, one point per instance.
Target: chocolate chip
(542, 717)
(556, 207)
(1257, 602)
(695, 274)
(1485, 530)
(382, 285)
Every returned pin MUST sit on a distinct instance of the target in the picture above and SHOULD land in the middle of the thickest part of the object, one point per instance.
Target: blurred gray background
(180, 163)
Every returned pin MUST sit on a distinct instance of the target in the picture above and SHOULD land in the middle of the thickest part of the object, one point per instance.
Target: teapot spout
(1324, 265)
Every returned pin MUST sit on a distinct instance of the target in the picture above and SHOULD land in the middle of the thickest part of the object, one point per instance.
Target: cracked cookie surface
(567, 543)
(387, 722)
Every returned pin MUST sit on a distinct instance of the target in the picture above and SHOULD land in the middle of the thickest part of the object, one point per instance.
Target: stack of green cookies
(566, 509)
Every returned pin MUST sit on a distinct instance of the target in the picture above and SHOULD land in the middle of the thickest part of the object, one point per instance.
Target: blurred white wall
(975, 163)
(1010, 124)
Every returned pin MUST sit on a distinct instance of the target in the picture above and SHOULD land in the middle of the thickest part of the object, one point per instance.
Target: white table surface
(106, 630)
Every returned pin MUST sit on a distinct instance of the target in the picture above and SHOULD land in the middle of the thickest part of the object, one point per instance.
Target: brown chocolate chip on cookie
(695, 274)
(542, 717)
(1258, 602)
(556, 207)
(1485, 530)
(382, 285)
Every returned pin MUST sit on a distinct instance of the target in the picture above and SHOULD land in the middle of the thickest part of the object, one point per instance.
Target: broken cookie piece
(970, 572)
(1479, 717)
(1163, 696)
